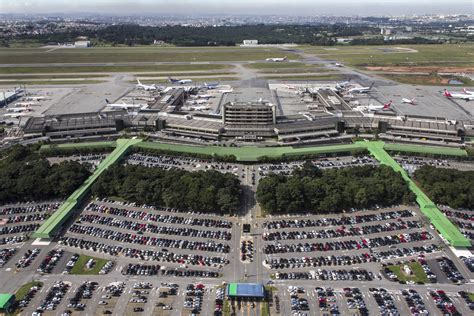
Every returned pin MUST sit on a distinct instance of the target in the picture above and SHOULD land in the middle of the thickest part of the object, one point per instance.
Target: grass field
(80, 266)
(52, 76)
(269, 65)
(106, 69)
(418, 274)
(25, 288)
(388, 55)
(195, 79)
(304, 77)
(134, 54)
(431, 79)
(46, 82)
(185, 74)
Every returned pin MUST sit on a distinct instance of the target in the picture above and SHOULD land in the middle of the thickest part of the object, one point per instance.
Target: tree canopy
(203, 191)
(448, 186)
(310, 189)
(25, 176)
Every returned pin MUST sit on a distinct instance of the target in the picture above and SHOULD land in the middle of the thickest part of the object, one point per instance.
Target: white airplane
(180, 81)
(205, 96)
(33, 98)
(26, 103)
(226, 90)
(342, 85)
(361, 89)
(467, 91)
(145, 87)
(409, 101)
(211, 86)
(20, 109)
(467, 97)
(339, 65)
(374, 108)
(277, 60)
(126, 106)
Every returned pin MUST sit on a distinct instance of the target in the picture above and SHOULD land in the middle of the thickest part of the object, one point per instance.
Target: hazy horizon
(262, 7)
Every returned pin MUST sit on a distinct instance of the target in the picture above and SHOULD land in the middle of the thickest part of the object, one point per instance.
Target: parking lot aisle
(460, 303)
(400, 303)
(341, 300)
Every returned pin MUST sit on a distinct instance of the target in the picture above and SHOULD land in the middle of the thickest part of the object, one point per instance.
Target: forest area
(450, 187)
(202, 191)
(312, 190)
(26, 176)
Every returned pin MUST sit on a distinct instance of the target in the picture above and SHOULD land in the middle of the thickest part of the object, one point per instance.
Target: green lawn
(471, 296)
(48, 82)
(387, 55)
(107, 69)
(428, 80)
(418, 274)
(135, 54)
(47, 77)
(185, 74)
(80, 266)
(24, 289)
(313, 77)
(195, 79)
(270, 65)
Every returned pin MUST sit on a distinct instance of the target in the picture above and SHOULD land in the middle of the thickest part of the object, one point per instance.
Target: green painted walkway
(437, 218)
(52, 224)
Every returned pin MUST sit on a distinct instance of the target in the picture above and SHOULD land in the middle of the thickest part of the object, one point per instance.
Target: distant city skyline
(228, 7)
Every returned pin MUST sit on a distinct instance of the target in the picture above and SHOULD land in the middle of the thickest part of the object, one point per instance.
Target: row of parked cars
(342, 260)
(415, 302)
(145, 255)
(448, 267)
(151, 215)
(50, 261)
(27, 258)
(84, 291)
(374, 242)
(328, 275)
(337, 221)
(13, 239)
(9, 230)
(355, 300)
(26, 209)
(385, 302)
(327, 300)
(194, 298)
(29, 295)
(340, 232)
(53, 297)
(37, 217)
(5, 255)
(154, 229)
(130, 238)
(444, 303)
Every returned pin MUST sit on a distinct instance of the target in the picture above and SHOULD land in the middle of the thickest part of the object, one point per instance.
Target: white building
(82, 44)
(250, 42)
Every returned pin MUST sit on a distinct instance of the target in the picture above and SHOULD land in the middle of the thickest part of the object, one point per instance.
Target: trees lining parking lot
(204, 191)
(313, 190)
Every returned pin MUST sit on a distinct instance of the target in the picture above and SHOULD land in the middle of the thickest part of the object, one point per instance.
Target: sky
(258, 7)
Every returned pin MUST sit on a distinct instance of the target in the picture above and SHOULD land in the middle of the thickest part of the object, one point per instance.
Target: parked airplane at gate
(126, 106)
(361, 89)
(466, 97)
(409, 101)
(145, 87)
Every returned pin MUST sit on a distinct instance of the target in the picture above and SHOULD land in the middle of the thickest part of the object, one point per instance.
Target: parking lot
(161, 261)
